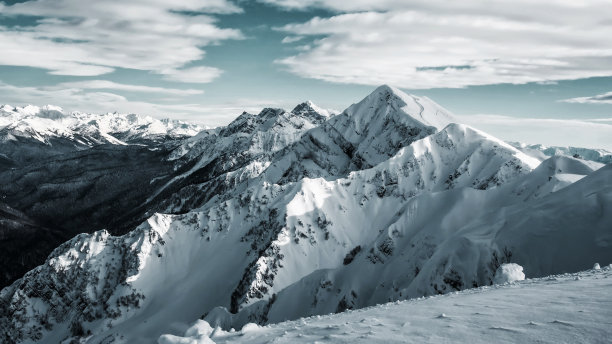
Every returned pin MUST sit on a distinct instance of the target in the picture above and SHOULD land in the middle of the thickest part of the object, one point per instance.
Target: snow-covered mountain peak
(308, 107)
(270, 112)
(51, 112)
(390, 100)
(543, 152)
(52, 122)
(47, 111)
(387, 89)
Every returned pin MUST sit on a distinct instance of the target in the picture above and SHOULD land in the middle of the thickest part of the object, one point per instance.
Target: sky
(536, 71)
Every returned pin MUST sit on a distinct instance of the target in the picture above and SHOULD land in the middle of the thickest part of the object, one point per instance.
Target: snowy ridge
(268, 131)
(220, 159)
(418, 252)
(44, 123)
(541, 151)
(282, 215)
(558, 308)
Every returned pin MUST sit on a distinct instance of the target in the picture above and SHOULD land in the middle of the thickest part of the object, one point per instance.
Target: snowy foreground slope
(569, 308)
(288, 214)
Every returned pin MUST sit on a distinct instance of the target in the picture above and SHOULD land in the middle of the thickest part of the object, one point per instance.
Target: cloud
(340, 5)
(200, 74)
(436, 43)
(605, 98)
(85, 96)
(84, 38)
(292, 39)
(105, 84)
(553, 132)
(601, 120)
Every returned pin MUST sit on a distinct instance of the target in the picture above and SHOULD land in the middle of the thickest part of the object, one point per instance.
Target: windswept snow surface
(569, 308)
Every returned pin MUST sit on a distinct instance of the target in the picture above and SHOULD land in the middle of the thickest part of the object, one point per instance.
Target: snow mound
(250, 327)
(508, 273)
(199, 333)
(596, 266)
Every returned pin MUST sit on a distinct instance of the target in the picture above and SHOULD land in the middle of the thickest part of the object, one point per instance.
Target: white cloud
(601, 120)
(437, 43)
(291, 39)
(83, 96)
(86, 38)
(553, 132)
(105, 84)
(201, 74)
(605, 98)
(340, 5)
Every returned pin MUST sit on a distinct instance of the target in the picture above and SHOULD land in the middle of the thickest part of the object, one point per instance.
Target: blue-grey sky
(529, 70)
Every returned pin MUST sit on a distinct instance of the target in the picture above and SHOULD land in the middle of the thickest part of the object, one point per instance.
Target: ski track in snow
(569, 308)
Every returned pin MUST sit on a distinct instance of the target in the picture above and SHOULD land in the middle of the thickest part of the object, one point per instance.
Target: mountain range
(276, 216)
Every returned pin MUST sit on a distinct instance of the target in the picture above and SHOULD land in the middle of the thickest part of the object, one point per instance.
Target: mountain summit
(390, 101)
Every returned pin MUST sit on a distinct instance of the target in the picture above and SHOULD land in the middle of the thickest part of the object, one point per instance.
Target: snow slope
(430, 246)
(569, 308)
(287, 214)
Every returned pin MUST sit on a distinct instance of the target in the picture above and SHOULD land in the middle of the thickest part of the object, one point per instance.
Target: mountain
(543, 315)
(31, 133)
(540, 151)
(286, 214)
(71, 173)
(47, 122)
(431, 247)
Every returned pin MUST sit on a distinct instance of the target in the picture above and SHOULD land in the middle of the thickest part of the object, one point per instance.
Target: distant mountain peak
(388, 90)
(310, 107)
(49, 121)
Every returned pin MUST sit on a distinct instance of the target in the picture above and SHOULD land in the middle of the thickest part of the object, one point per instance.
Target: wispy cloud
(110, 85)
(554, 132)
(84, 96)
(200, 74)
(605, 98)
(292, 39)
(419, 43)
(85, 38)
